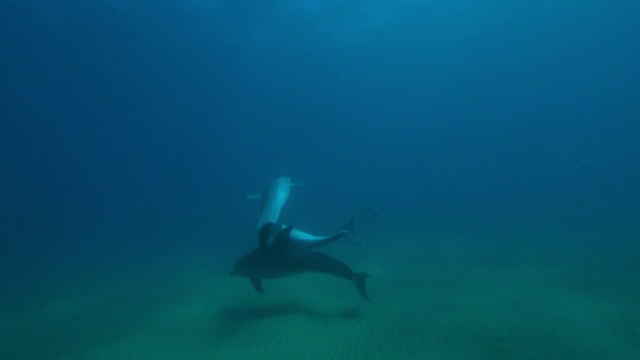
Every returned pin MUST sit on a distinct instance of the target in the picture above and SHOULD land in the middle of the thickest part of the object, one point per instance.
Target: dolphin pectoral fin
(257, 284)
(360, 281)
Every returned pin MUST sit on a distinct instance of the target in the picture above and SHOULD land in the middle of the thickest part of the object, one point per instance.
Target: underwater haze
(489, 149)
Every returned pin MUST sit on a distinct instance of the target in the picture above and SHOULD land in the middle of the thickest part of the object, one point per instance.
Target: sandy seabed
(477, 309)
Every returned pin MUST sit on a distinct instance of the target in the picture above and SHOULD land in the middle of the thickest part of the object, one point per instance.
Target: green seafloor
(440, 298)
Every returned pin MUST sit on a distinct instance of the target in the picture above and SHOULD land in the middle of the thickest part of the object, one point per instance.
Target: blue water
(132, 131)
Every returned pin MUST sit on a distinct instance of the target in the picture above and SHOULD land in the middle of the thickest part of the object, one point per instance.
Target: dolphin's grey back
(314, 261)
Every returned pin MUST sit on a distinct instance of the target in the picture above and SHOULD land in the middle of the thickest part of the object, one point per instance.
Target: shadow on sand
(232, 318)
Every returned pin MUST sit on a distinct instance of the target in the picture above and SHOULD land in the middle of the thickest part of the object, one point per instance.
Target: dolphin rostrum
(284, 258)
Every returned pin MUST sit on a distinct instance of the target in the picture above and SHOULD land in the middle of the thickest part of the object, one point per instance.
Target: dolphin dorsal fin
(283, 238)
(265, 234)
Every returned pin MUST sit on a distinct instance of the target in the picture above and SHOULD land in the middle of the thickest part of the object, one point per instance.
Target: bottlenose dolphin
(284, 258)
(310, 241)
(272, 200)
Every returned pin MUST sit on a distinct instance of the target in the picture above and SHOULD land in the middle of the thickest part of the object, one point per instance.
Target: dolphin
(304, 239)
(272, 200)
(284, 258)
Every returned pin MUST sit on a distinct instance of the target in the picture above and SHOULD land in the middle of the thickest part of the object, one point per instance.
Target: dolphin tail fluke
(360, 281)
(349, 234)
